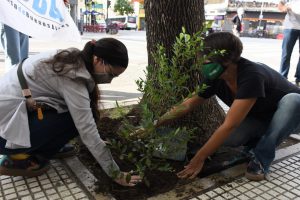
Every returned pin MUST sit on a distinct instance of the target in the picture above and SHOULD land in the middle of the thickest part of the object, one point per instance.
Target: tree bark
(164, 21)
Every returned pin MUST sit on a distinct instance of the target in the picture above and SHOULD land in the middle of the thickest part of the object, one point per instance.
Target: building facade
(261, 18)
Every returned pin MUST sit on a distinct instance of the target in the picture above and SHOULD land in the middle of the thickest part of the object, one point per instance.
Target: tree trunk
(164, 21)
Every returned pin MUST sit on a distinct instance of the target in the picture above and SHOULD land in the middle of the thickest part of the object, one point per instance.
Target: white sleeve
(295, 7)
(76, 96)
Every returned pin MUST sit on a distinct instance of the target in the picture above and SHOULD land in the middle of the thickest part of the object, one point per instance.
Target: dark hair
(112, 51)
(223, 41)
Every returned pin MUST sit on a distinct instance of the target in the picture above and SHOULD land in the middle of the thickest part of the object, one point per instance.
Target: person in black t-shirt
(264, 106)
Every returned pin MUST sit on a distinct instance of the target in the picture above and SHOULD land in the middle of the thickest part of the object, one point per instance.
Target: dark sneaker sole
(254, 177)
(23, 172)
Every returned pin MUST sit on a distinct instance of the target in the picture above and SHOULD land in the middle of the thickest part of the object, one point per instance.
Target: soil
(159, 182)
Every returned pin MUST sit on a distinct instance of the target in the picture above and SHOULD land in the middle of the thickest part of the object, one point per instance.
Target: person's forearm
(214, 142)
(174, 113)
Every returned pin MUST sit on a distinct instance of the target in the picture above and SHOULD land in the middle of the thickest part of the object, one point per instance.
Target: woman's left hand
(192, 169)
(122, 179)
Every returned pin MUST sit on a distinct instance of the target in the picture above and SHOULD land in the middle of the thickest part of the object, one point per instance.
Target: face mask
(102, 78)
(212, 71)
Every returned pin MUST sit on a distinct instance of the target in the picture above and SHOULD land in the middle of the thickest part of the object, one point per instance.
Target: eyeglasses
(110, 70)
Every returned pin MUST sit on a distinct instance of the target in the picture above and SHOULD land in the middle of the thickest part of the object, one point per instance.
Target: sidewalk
(62, 183)
(57, 183)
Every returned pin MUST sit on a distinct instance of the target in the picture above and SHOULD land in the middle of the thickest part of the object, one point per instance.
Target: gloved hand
(142, 132)
(139, 133)
(126, 179)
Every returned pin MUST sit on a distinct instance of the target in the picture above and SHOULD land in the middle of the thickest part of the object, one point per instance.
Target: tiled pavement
(60, 183)
(57, 183)
(283, 184)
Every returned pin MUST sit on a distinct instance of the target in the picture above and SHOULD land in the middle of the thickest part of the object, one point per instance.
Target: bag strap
(31, 104)
(25, 89)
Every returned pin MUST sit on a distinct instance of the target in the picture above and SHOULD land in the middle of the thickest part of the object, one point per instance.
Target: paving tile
(203, 197)
(296, 192)
(266, 196)
(270, 185)
(251, 194)
(219, 190)
(43, 198)
(65, 194)
(11, 196)
(235, 192)
(54, 197)
(273, 193)
(227, 195)
(26, 198)
(219, 198)
(50, 191)
(248, 186)
(211, 194)
(289, 195)
(292, 183)
(36, 189)
(9, 191)
(38, 195)
(279, 189)
(243, 197)
(23, 193)
(57, 183)
(79, 195)
(284, 186)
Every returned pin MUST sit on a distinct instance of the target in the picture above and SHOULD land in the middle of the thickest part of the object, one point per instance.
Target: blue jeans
(47, 136)
(289, 40)
(14, 44)
(265, 135)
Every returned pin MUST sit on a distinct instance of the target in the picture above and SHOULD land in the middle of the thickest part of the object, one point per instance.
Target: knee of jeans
(290, 101)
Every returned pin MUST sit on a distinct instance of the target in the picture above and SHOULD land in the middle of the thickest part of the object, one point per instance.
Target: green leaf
(128, 177)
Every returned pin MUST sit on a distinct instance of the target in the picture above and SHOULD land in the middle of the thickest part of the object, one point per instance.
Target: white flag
(42, 19)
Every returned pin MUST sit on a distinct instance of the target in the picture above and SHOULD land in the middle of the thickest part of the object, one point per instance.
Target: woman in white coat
(53, 97)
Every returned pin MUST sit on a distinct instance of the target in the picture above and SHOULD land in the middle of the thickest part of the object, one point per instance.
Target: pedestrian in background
(237, 22)
(291, 34)
(52, 97)
(14, 44)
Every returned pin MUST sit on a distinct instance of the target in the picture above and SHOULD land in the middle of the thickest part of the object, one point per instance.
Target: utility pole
(73, 10)
(261, 14)
(108, 2)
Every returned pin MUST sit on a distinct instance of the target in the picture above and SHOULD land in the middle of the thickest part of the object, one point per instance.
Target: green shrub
(166, 84)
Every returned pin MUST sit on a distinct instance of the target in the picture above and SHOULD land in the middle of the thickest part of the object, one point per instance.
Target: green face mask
(212, 71)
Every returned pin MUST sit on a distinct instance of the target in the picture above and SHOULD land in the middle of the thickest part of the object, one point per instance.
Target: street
(124, 89)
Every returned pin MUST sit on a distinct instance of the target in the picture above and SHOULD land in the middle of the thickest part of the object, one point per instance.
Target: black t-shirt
(254, 80)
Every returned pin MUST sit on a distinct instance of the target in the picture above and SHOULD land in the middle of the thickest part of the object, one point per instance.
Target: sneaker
(29, 167)
(255, 171)
(67, 151)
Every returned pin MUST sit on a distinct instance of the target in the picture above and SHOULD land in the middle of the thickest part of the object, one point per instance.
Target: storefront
(255, 24)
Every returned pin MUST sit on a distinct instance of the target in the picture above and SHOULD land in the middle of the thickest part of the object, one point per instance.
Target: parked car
(101, 25)
(120, 25)
(112, 28)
